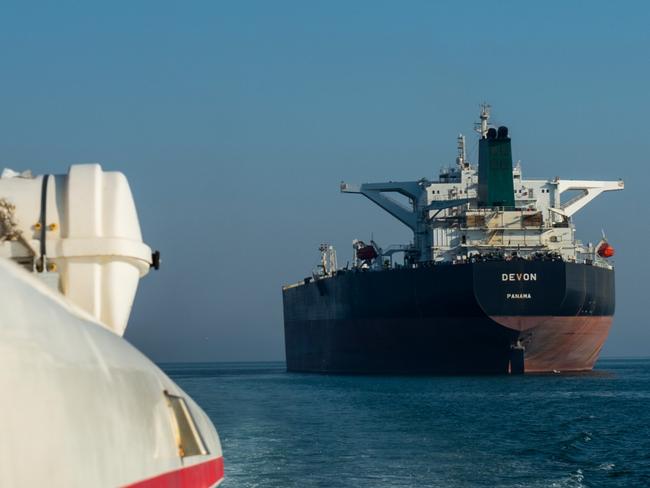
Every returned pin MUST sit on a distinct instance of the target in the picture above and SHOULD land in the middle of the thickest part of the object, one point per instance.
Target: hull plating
(450, 319)
(560, 343)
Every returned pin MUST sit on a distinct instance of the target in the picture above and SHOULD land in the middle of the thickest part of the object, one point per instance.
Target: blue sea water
(282, 429)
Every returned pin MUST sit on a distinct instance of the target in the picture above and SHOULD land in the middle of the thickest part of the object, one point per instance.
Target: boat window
(188, 437)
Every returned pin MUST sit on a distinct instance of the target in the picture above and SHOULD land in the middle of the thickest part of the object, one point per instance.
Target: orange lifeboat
(605, 250)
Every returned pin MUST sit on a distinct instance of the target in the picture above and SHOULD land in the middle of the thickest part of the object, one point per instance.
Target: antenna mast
(482, 126)
(460, 159)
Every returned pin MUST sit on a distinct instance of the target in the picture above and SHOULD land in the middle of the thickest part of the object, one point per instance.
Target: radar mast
(461, 158)
(482, 126)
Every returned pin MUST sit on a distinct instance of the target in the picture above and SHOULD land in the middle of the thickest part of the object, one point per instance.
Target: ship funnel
(495, 184)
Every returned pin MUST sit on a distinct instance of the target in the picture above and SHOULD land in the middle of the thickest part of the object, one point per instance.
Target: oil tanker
(494, 281)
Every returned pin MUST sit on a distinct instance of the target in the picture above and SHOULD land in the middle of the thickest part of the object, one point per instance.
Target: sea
(282, 429)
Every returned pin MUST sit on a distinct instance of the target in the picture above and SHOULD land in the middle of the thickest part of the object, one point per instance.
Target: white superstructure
(449, 225)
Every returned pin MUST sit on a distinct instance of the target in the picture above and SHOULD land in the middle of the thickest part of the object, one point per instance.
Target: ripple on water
(291, 430)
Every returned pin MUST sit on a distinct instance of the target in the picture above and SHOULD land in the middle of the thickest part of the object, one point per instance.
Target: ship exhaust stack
(495, 183)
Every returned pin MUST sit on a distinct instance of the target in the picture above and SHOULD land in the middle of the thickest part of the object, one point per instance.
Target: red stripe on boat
(201, 475)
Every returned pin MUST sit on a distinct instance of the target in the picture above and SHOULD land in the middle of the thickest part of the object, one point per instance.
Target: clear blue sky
(236, 121)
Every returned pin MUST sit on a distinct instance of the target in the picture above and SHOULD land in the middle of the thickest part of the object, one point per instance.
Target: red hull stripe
(201, 475)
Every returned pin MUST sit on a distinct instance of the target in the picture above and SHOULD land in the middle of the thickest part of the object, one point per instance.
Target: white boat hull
(82, 407)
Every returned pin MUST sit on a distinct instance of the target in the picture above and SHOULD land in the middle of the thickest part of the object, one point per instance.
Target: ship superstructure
(475, 211)
(494, 280)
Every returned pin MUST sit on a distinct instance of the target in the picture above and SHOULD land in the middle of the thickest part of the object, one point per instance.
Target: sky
(235, 122)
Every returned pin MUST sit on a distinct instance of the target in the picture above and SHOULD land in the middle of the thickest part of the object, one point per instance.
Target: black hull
(465, 319)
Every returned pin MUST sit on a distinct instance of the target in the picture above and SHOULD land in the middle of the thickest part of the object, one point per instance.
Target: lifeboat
(605, 250)
(83, 407)
(365, 252)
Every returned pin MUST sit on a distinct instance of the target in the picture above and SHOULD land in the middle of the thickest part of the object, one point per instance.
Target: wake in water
(293, 430)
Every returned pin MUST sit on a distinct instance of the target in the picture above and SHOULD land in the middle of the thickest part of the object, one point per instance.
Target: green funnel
(495, 185)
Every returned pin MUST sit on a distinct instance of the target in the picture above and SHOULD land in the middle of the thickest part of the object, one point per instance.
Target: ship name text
(518, 276)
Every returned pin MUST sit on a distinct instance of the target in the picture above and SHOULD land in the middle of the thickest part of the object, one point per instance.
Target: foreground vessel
(493, 282)
(81, 406)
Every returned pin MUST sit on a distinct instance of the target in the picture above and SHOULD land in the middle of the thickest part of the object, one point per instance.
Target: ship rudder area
(559, 343)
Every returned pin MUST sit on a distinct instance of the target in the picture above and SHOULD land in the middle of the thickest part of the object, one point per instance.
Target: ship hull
(474, 318)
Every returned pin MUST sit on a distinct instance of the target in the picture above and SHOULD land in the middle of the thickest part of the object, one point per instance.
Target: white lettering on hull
(518, 296)
(518, 276)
